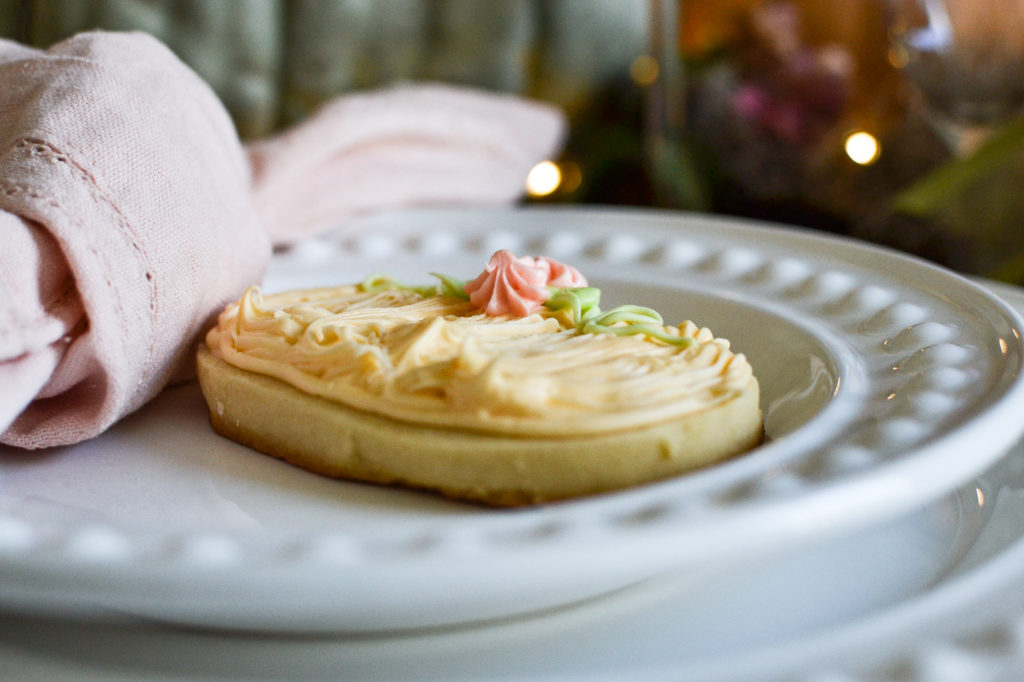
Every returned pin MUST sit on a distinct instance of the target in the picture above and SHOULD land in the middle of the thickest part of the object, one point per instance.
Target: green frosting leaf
(637, 320)
(582, 302)
(451, 287)
(377, 283)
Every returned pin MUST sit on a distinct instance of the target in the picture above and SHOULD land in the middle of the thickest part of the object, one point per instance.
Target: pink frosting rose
(519, 286)
(559, 274)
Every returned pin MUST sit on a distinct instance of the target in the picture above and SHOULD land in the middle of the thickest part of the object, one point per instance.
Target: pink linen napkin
(405, 146)
(130, 213)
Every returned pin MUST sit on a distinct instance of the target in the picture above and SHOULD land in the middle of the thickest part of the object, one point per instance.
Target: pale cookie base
(330, 439)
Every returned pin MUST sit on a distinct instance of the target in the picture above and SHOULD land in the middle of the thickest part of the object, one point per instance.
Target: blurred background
(895, 121)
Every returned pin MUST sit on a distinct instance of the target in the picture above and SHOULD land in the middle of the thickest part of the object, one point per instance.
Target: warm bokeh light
(644, 70)
(543, 179)
(897, 57)
(862, 148)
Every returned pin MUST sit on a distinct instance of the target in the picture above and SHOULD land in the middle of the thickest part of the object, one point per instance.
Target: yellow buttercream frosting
(439, 361)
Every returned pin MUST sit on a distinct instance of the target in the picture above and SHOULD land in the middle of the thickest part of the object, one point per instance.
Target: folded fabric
(428, 144)
(130, 212)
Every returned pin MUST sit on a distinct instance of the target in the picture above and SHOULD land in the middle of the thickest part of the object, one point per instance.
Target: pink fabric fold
(405, 146)
(130, 213)
(122, 177)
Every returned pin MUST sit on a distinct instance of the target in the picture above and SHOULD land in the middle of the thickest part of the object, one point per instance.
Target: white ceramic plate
(933, 596)
(927, 597)
(662, 629)
(886, 383)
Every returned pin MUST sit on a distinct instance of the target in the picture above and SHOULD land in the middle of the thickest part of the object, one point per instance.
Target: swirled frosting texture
(440, 361)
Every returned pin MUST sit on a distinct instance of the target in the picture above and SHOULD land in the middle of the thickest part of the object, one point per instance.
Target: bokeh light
(543, 179)
(862, 148)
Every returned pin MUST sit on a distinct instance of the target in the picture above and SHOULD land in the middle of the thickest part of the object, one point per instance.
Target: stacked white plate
(877, 533)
